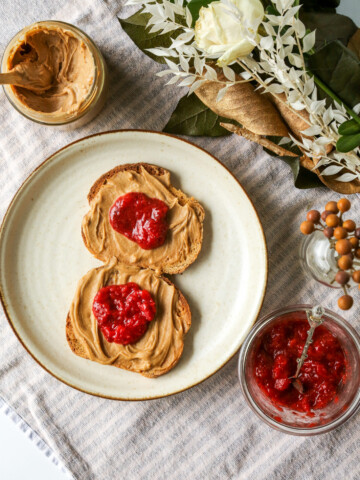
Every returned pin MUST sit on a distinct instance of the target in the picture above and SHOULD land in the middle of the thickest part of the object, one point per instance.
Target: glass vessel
(318, 259)
(286, 420)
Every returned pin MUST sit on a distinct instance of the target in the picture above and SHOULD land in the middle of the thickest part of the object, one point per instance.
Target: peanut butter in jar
(63, 72)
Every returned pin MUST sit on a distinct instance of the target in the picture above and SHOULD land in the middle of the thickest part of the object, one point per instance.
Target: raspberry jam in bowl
(329, 378)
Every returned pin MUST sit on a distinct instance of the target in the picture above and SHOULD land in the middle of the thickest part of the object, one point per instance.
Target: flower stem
(296, 3)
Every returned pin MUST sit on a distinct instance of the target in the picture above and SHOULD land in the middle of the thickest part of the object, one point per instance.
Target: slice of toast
(182, 245)
(160, 348)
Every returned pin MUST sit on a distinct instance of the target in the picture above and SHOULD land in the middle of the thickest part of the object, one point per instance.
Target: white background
(19, 457)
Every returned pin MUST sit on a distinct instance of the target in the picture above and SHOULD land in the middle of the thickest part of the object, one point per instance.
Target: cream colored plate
(42, 257)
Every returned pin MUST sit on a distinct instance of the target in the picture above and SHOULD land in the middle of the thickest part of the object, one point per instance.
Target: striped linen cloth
(207, 432)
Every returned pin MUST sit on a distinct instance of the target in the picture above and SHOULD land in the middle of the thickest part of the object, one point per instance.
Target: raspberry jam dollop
(123, 312)
(321, 374)
(141, 219)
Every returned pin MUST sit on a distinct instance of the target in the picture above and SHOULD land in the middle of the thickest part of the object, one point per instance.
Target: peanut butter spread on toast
(162, 344)
(185, 218)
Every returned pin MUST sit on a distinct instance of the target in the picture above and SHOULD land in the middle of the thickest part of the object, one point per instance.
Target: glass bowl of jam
(329, 392)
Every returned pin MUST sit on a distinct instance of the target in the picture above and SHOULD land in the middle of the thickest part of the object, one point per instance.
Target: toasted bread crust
(184, 312)
(183, 200)
(134, 167)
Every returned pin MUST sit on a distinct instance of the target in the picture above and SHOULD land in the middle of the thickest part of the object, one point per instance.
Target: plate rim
(2, 296)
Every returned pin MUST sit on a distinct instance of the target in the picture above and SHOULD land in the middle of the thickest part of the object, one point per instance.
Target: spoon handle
(300, 361)
(315, 318)
(10, 78)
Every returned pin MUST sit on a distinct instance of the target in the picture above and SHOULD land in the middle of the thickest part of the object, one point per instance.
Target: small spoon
(31, 76)
(315, 319)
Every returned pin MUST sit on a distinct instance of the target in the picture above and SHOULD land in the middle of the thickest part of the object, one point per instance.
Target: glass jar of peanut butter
(62, 72)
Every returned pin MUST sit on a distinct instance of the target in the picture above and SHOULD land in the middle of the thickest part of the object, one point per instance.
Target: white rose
(218, 32)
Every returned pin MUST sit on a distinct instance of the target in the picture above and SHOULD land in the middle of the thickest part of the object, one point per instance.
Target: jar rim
(246, 347)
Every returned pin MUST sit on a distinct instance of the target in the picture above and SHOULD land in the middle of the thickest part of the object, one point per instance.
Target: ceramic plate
(42, 257)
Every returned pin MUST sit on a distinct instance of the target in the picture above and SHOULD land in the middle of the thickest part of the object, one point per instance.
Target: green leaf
(266, 3)
(194, 7)
(308, 5)
(351, 127)
(135, 27)
(339, 68)
(303, 178)
(348, 143)
(328, 26)
(192, 117)
(270, 9)
(320, 5)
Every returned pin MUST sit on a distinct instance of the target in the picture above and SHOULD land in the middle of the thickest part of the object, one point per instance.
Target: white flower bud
(229, 32)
